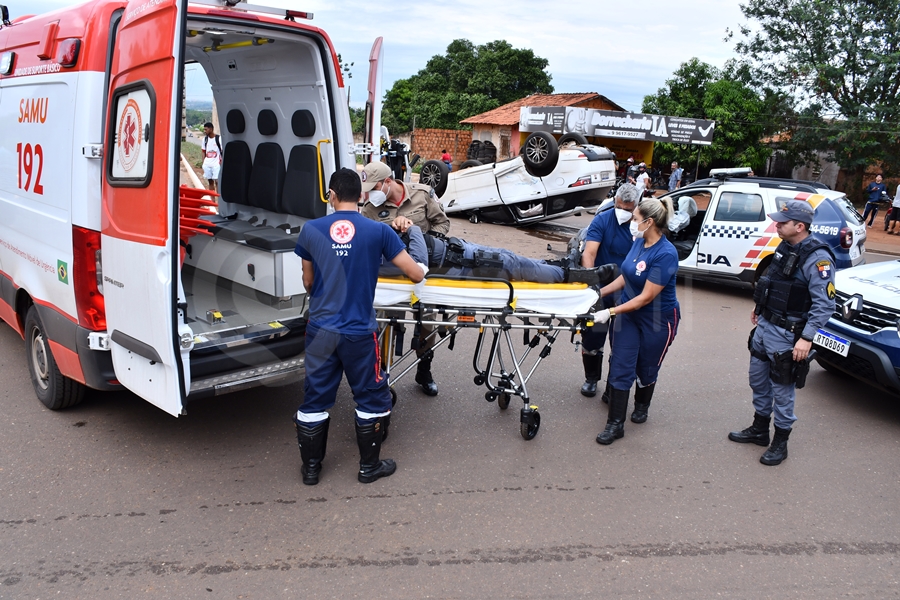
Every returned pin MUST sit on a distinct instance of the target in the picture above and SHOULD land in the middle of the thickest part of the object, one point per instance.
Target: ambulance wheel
(434, 173)
(52, 388)
(541, 154)
(393, 398)
(529, 430)
(503, 401)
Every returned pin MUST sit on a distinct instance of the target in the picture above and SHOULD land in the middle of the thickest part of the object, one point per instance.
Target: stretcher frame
(499, 365)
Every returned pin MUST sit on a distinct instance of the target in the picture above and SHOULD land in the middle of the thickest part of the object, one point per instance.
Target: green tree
(465, 81)
(358, 119)
(743, 116)
(841, 58)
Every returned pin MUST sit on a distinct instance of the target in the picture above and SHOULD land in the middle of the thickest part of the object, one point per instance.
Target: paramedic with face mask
(400, 205)
(608, 240)
(647, 315)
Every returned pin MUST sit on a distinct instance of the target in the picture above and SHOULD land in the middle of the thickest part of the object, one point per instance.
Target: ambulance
(113, 272)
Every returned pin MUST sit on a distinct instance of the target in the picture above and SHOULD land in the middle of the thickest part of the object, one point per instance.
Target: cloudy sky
(620, 50)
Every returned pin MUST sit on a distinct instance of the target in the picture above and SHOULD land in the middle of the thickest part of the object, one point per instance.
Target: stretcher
(441, 306)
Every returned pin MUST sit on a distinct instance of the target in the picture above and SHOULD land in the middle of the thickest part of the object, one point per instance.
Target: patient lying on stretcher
(453, 256)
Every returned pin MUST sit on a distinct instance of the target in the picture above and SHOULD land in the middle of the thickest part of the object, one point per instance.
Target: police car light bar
(240, 5)
(730, 172)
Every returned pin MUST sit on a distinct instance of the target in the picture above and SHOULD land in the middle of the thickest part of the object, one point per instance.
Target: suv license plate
(832, 342)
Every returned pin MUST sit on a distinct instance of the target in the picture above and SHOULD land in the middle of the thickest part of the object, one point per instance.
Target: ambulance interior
(277, 98)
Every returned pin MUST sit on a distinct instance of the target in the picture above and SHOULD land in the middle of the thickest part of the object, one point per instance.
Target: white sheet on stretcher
(557, 298)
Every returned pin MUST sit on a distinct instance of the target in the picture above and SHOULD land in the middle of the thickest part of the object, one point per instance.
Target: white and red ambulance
(110, 270)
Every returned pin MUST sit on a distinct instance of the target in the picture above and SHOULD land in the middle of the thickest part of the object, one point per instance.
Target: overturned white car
(546, 181)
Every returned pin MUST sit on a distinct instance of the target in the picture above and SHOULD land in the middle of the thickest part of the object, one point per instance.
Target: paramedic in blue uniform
(793, 300)
(341, 255)
(647, 315)
(458, 257)
(608, 240)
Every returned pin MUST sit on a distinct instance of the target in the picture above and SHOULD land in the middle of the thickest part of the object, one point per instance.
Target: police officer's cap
(793, 210)
(374, 173)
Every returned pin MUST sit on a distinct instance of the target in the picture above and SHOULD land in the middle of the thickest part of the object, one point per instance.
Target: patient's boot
(593, 275)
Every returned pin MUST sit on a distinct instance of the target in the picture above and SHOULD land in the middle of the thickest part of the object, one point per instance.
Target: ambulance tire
(53, 389)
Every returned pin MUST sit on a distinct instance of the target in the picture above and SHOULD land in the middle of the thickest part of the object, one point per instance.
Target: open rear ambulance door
(139, 209)
(372, 134)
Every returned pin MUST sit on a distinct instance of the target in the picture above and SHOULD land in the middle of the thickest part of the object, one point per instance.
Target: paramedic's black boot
(369, 438)
(593, 368)
(424, 378)
(312, 441)
(615, 423)
(758, 433)
(642, 397)
(777, 452)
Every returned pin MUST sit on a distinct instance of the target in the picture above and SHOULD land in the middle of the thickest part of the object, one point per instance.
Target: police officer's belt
(789, 324)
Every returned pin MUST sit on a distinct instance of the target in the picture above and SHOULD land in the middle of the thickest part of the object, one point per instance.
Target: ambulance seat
(301, 183)
(236, 162)
(267, 175)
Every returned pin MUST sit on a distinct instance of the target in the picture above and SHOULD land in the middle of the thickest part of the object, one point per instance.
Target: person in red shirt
(447, 159)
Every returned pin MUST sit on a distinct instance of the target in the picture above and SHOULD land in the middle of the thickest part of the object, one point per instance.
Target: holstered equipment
(753, 351)
(781, 370)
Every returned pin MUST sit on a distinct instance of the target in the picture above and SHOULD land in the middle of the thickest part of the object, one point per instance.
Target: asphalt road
(116, 499)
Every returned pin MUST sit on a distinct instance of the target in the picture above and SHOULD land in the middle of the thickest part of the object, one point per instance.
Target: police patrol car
(862, 339)
(731, 237)
(108, 269)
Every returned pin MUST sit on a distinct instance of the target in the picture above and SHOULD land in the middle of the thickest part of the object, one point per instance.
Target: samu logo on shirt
(342, 231)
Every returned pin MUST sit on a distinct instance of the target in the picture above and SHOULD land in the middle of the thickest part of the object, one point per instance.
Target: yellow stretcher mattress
(556, 298)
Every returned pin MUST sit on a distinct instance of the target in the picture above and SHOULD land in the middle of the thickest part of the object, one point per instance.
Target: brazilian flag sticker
(62, 271)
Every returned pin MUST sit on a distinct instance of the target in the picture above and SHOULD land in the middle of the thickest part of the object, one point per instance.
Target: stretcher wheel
(530, 423)
(479, 380)
(490, 396)
(503, 401)
(393, 398)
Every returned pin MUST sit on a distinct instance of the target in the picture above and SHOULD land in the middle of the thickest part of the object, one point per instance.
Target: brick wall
(428, 143)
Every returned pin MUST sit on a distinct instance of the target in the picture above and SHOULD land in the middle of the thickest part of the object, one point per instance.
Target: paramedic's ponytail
(658, 211)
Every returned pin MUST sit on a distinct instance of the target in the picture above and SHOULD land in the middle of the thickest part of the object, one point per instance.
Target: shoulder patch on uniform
(432, 194)
(831, 291)
(384, 214)
(824, 267)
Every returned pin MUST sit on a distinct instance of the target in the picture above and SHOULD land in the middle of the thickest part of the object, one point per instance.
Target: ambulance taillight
(88, 278)
(67, 52)
(846, 237)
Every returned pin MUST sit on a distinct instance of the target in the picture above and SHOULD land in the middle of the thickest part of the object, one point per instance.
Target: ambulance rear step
(238, 337)
(274, 374)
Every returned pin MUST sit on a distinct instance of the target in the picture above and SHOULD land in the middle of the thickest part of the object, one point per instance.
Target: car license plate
(829, 341)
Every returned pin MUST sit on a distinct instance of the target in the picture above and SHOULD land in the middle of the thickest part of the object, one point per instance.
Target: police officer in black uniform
(793, 300)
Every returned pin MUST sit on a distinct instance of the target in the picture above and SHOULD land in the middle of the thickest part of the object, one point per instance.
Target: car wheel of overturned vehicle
(434, 173)
(575, 139)
(541, 153)
(470, 163)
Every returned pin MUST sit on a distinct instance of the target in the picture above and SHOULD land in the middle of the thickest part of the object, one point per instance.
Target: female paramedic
(647, 315)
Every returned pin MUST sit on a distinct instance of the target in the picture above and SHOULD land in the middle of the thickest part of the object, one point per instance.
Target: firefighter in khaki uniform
(401, 205)
(793, 300)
